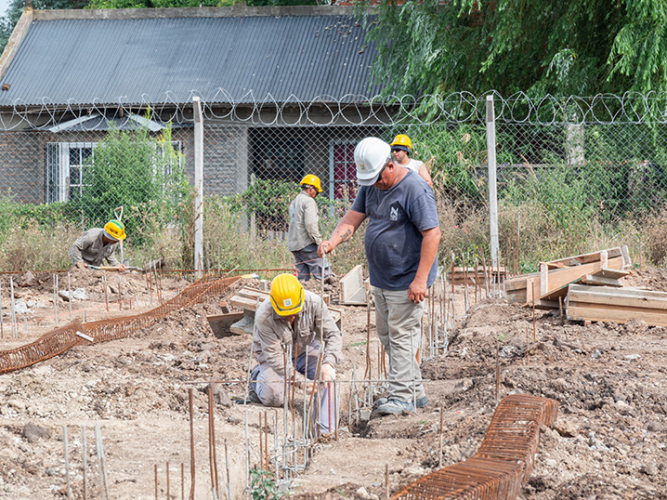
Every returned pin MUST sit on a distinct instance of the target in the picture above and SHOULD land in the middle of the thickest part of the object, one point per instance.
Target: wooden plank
(618, 297)
(588, 257)
(243, 302)
(613, 273)
(562, 277)
(519, 283)
(221, 323)
(546, 304)
(599, 312)
(597, 280)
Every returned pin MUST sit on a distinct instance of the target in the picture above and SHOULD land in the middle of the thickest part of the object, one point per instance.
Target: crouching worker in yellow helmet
(285, 346)
(303, 236)
(98, 244)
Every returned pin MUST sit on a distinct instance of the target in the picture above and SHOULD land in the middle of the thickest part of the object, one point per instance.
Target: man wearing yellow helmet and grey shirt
(400, 147)
(303, 236)
(98, 244)
(292, 317)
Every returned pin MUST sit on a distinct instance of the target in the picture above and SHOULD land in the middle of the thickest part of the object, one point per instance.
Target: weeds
(263, 485)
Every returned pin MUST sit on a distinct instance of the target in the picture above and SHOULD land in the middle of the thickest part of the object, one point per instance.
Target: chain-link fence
(574, 174)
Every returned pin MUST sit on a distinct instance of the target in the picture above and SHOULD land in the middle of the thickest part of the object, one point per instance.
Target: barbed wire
(351, 110)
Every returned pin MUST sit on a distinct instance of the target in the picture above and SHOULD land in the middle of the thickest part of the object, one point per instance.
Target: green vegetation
(263, 485)
(540, 47)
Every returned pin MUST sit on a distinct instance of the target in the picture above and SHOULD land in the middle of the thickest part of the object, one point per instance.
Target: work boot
(395, 407)
(421, 402)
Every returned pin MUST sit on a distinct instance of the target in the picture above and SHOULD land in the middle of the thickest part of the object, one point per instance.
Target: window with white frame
(67, 163)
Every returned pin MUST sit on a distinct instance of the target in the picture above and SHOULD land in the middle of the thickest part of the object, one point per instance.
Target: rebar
(503, 461)
(84, 458)
(69, 489)
(192, 445)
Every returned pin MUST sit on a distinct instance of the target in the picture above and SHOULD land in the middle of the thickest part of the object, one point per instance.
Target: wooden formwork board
(619, 305)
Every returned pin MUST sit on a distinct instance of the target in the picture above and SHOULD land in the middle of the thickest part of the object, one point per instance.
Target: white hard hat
(370, 156)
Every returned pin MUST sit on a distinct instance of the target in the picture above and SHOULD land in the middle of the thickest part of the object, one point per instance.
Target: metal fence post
(493, 192)
(199, 186)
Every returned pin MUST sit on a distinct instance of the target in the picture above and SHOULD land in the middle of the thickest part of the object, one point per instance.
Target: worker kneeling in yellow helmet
(303, 236)
(98, 244)
(285, 330)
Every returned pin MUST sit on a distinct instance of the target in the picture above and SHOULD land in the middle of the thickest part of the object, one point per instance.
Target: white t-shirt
(414, 165)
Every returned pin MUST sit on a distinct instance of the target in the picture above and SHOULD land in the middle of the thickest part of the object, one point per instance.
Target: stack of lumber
(248, 299)
(588, 303)
(548, 287)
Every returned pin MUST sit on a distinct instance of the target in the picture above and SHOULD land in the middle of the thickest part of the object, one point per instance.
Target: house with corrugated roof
(284, 90)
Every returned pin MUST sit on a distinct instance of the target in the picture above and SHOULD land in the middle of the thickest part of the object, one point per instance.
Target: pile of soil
(610, 380)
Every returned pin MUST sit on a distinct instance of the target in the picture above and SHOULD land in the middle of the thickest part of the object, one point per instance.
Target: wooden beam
(597, 280)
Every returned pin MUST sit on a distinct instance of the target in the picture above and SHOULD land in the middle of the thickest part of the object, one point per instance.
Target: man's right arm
(343, 232)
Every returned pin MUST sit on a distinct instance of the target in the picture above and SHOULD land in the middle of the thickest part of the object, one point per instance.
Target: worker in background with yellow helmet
(303, 236)
(400, 148)
(98, 244)
(290, 318)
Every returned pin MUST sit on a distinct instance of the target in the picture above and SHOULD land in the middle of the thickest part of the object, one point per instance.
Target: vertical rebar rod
(69, 489)
(266, 440)
(2, 326)
(192, 444)
(101, 462)
(386, 479)
(156, 482)
(534, 320)
(229, 479)
(168, 494)
(211, 438)
(261, 443)
(13, 306)
(442, 418)
(120, 295)
(106, 290)
(69, 294)
(84, 457)
(182, 481)
(55, 299)
(560, 306)
(247, 456)
(497, 372)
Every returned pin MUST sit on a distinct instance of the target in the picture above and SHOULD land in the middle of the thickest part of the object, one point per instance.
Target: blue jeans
(270, 388)
(307, 263)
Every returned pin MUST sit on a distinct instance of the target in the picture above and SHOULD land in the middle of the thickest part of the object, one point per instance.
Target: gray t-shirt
(393, 241)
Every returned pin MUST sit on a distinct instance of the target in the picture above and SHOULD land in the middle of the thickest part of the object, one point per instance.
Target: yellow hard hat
(402, 140)
(115, 230)
(286, 295)
(313, 180)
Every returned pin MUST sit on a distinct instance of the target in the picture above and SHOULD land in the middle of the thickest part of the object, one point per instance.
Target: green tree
(16, 8)
(564, 47)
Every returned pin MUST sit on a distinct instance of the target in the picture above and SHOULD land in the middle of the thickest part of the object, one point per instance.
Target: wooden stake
(560, 305)
(386, 478)
(156, 482)
(168, 481)
(497, 372)
(84, 455)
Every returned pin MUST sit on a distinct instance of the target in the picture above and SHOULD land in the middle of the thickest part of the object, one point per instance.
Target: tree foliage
(563, 47)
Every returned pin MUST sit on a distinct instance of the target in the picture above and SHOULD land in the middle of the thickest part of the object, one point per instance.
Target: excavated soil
(610, 380)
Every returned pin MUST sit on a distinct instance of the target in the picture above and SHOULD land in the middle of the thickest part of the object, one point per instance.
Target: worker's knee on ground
(270, 397)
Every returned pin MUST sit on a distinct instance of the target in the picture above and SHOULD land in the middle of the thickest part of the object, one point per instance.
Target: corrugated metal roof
(131, 61)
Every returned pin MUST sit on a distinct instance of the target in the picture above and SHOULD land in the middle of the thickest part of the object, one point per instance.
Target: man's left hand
(417, 291)
(121, 268)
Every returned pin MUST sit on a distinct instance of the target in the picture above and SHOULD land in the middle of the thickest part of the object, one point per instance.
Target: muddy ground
(610, 380)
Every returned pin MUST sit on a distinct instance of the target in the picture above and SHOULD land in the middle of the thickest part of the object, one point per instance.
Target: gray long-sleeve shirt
(273, 332)
(90, 249)
(303, 223)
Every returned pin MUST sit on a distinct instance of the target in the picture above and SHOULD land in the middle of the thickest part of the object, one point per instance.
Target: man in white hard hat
(303, 235)
(401, 244)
